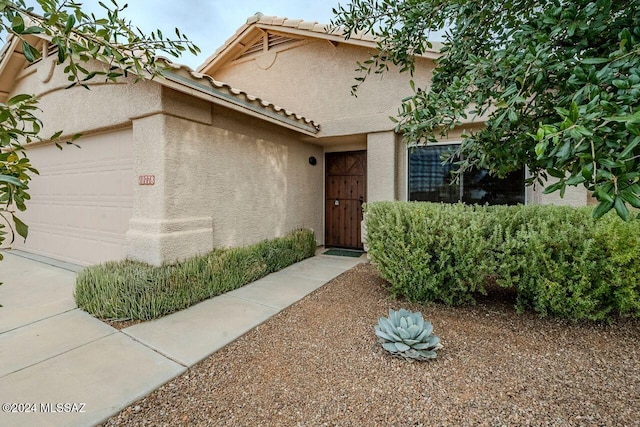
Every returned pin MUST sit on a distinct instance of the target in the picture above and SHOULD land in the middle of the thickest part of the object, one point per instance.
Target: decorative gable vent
(274, 40)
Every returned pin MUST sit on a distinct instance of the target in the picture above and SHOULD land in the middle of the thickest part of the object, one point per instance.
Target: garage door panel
(82, 200)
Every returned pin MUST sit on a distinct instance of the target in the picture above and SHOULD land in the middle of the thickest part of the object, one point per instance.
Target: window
(431, 181)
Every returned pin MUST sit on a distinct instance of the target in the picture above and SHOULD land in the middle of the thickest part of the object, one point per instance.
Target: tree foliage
(556, 83)
(78, 38)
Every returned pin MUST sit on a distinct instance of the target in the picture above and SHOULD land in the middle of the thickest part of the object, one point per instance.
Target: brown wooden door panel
(345, 187)
(346, 183)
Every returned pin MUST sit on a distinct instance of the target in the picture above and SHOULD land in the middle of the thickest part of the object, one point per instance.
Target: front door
(346, 186)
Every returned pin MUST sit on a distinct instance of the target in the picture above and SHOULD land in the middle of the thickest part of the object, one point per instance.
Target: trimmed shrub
(133, 290)
(559, 260)
(429, 252)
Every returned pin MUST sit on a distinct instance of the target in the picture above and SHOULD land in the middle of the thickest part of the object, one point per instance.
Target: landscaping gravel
(317, 363)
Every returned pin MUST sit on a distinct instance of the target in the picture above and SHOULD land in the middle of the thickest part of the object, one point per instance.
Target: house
(184, 163)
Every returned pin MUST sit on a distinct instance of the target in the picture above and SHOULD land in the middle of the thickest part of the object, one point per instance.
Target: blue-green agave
(406, 334)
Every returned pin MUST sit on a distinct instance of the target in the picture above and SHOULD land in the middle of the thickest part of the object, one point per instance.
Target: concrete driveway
(61, 367)
(58, 365)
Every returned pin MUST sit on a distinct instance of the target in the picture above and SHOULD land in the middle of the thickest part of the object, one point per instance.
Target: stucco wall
(77, 110)
(315, 80)
(224, 180)
(382, 181)
(221, 178)
(573, 196)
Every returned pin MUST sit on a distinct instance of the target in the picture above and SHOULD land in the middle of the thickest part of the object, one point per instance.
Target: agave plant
(406, 334)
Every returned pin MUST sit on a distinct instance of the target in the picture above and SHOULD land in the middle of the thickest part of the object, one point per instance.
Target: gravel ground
(317, 363)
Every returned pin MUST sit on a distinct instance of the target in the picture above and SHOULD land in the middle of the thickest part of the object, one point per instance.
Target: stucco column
(573, 196)
(381, 166)
(157, 233)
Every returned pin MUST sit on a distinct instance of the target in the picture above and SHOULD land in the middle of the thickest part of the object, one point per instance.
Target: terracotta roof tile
(306, 25)
(254, 18)
(293, 23)
(263, 19)
(322, 28)
(238, 93)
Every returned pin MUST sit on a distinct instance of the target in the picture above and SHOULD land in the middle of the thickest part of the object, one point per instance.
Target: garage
(81, 202)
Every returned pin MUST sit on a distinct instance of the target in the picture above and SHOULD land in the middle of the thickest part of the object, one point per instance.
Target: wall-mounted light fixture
(313, 161)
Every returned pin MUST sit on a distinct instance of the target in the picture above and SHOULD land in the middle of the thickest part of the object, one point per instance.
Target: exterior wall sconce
(313, 161)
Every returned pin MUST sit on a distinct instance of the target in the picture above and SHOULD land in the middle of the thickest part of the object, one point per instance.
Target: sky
(209, 23)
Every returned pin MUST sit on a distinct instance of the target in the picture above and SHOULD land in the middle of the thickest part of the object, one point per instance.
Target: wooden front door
(346, 186)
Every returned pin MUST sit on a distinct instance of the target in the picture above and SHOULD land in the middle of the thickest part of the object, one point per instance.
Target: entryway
(345, 192)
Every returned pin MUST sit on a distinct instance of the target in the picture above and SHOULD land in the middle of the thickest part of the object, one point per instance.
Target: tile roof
(184, 75)
(260, 19)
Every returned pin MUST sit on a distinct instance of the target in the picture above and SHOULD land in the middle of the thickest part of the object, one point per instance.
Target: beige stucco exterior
(221, 178)
(228, 168)
(314, 78)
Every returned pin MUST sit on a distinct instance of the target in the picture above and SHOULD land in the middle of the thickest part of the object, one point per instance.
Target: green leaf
(17, 24)
(11, 180)
(556, 173)
(390, 347)
(601, 209)
(575, 180)
(574, 114)
(634, 118)
(384, 335)
(632, 145)
(21, 228)
(422, 346)
(71, 21)
(19, 98)
(62, 53)
(56, 135)
(34, 30)
(401, 346)
(630, 198)
(29, 52)
(594, 61)
(608, 163)
(621, 209)
(554, 187)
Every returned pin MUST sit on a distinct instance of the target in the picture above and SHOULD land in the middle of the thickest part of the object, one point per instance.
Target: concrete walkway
(61, 367)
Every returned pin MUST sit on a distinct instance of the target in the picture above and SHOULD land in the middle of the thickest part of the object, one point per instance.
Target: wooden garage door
(81, 202)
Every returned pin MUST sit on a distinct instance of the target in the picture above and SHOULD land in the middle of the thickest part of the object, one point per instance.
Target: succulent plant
(406, 334)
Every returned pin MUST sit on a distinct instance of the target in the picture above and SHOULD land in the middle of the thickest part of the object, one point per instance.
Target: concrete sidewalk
(61, 367)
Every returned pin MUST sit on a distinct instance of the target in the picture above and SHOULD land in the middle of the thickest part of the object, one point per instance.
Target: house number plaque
(147, 180)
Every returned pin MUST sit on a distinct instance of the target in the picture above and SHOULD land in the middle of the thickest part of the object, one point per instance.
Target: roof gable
(178, 77)
(260, 33)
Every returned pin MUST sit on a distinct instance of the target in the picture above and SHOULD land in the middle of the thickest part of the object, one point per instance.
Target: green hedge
(133, 290)
(559, 260)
